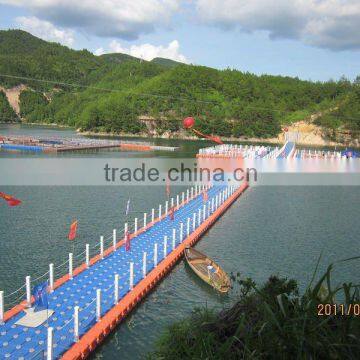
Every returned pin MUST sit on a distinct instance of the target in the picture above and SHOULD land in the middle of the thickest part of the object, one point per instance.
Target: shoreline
(181, 136)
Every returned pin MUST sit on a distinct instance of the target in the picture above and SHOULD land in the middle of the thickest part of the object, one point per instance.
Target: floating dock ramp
(90, 300)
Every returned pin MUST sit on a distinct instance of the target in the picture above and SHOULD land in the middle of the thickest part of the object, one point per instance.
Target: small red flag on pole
(172, 213)
(205, 196)
(73, 229)
(11, 201)
(127, 241)
(167, 187)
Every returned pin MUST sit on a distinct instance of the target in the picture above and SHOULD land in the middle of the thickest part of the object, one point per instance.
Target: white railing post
(51, 277)
(135, 225)
(182, 198)
(114, 239)
(216, 201)
(204, 212)
(181, 231)
(177, 200)
(172, 202)
(166, 207)
(155, 254)
(194, 221)
(87, 255)
(98, 305)
(28, 290)
(199, 217)
(174, 239)
(1, 307)
(187, 194)
(191, 192)
(125, 229)
(144, 264)
(212, 205)
(116, 289)
(131, 280)
(76, 323)
(160, 211)
(102, 247)
(49, 352)
(70, 266)
(188, 226)
(208, 208)
(145, 219)
(152, 215)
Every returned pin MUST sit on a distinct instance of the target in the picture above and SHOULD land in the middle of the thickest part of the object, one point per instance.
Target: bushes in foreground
(270, 322)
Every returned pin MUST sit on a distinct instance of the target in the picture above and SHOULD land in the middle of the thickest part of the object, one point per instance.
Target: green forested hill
(113, 90)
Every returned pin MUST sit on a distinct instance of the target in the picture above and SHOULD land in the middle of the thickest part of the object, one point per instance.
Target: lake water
(270, 230)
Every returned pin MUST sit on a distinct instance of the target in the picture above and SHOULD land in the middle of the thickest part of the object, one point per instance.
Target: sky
(310, 39)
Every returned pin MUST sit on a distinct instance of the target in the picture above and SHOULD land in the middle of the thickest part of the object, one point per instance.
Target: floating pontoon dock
(93, 298)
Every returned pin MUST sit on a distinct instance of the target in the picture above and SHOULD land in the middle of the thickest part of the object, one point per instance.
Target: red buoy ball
(189, 122)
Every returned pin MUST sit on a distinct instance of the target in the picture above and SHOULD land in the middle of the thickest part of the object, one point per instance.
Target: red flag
(172, 213)
(11, 201)
(167, 187)
(127, 241)
(73, 229)
(205, 196)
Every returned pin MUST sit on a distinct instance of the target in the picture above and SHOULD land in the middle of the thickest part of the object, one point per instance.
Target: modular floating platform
(92, 299)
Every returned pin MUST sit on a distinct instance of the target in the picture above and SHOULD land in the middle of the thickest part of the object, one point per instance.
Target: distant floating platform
(55, 145)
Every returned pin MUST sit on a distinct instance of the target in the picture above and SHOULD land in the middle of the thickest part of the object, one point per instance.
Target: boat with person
(207, 270)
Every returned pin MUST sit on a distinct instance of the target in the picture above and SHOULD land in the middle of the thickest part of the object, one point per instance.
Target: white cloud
(45, 30)
(147, 51)
(109, 18)
(332, 24)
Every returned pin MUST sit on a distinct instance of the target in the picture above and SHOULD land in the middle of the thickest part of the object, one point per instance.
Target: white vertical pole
(165, 246)
(135, 225)
(182, 197)
(174, 239)
(102, 247)
(212, 205)
(114, 239)
(166, 207)
(160, 211)
(1, 307)
(28, 290)
(116, 289)
(192, 192)
(187, 194)
(204, 212)
(152, 215)
(177, 200)
(145, 219)
(87, 251)
(172, 202)
(194, 221)
(155, 254)
(144, 264)
(51, 277)
(98, 304)
(209, 208)
(216, 201)
(199, 217)
(188, 226)
(49, 352)
(76, 323)
(70, 265)
(181, 231)
(131, 280)
(125, 229)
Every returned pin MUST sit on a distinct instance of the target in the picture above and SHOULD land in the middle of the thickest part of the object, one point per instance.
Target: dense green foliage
(31, 102)
(110, 92)
(7, 114)
(269, 322)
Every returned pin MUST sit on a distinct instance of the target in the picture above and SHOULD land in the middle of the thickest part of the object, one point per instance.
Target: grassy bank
(272, 321)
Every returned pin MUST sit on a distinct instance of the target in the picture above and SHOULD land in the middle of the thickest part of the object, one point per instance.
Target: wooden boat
(207, 270)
